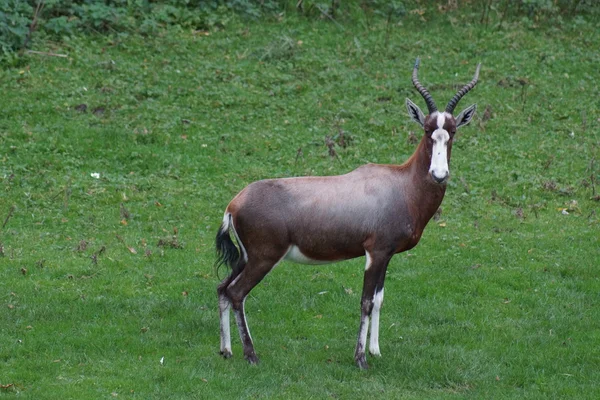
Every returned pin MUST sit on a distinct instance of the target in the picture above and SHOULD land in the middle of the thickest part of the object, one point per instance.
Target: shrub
(15, 19)
(18, 19)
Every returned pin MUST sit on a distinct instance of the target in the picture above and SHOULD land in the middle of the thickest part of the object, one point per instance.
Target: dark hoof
(226, 354)
(361, 362)
(251, 358)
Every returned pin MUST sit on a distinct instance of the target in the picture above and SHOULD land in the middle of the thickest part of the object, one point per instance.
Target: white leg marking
(362, 335)
(224, 307)
(242, 322)
(374, 339)
(367, 261)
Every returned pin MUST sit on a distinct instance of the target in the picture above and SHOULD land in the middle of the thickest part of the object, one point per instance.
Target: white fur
(362, 335)
(224, 307)
(441, 119)
(374, 338)
(228, 223)
(368, 261)
(439, 155)
(242, 321)
(295, 255)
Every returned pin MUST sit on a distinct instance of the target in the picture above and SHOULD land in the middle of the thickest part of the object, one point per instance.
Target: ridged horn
(428, 99)
(452, 103)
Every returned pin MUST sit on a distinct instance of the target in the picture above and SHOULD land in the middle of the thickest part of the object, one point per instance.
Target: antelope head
(440, 126)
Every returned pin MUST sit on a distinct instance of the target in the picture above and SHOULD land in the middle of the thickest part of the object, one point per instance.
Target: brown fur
(379, 209)
(339, 217)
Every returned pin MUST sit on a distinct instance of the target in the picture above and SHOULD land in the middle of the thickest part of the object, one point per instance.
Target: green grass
(499, 300)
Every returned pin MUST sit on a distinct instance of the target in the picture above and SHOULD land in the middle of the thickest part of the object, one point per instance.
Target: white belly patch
(295, 255)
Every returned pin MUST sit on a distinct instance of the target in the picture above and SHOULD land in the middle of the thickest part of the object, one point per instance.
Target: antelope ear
(415, 112)
(466, 116)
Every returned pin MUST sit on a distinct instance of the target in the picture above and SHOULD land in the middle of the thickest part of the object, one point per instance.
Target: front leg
(360, 357)
(374, 336)
(371, 300)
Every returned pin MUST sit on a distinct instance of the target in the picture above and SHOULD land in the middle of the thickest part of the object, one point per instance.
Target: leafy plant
(14, 25)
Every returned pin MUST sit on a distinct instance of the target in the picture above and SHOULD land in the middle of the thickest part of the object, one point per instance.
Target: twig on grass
(299, 154)
(331, 18)
(45, 53)
(593, 177)
(10, 214)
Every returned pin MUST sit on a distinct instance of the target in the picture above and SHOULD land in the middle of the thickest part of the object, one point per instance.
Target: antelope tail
(227, 253)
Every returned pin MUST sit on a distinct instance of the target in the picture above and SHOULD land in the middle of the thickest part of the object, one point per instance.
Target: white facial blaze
(439, 155)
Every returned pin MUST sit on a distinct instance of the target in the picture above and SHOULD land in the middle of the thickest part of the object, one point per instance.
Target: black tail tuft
(227, 253)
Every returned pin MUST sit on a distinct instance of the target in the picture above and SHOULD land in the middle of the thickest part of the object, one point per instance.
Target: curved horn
(428, 99)
(452, 103)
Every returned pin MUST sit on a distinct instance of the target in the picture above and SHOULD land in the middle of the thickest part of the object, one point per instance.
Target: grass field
(117, 162)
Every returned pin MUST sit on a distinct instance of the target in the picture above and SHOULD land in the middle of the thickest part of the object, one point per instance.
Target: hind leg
(224, 309)
(236, 293)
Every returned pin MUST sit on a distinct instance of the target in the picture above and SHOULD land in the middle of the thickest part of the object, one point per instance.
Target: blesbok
(374, 211)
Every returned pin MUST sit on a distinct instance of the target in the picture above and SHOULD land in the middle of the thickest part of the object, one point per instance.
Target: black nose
(438, 179)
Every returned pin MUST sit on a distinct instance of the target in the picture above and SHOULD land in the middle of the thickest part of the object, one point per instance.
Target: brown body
(374, 211)
(341, 217)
